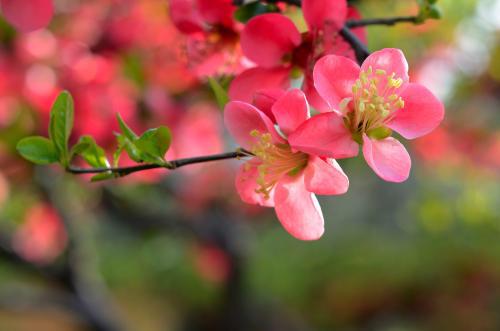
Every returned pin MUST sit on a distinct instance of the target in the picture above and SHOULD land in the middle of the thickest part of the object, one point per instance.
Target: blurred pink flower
(367, 103)
(41, 238)
(27, 15)
(274, 43)
(278, 176)
(213, 35)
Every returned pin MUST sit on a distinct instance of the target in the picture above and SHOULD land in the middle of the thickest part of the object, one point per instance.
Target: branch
(174, 164)
(359, 48)
(381, 21)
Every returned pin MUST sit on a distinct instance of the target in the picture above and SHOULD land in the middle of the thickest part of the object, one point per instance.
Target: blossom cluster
(293, 153)
(299, 100)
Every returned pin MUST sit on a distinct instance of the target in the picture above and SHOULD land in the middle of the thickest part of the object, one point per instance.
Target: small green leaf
(39, 150)
(61, 124)
(102, 176)
(133, 152)
(79, 148)
(219, 91)
(244, 13)
(126, 130)
(93, 154)
(154, 143)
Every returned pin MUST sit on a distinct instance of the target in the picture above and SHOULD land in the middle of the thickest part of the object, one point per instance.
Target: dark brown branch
(174, 164)
(357, 45)
(381, 21)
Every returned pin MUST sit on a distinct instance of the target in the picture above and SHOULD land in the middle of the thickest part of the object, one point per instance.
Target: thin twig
(174, 164)
(381, 21)
(357, 45)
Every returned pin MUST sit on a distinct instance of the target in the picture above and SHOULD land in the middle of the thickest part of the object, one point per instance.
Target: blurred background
(178, 251)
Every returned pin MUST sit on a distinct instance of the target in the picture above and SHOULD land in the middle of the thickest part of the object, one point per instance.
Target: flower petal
(242, 118)
(388, 158)
(265, 99)
(298, 209)
(324, 135)
(27, 15)
(246, 185)
(319, 13)
(388, 59)
(325, 177)
(246, 84)
(291, 110)
(334, 77)
(421, 114)
(217, 12)
(185, 16)
(315, 100)
(267, 38)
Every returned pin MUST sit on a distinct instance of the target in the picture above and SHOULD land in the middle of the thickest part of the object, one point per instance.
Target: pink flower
(27, 15)
(278, 176)
(368, 103)
(280, 51)
(42, 237)
(213, 37)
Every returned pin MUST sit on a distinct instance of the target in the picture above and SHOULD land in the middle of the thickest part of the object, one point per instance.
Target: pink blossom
(27, 15)
(367, 103)
(280, 51)
(213, 36)
(41, 238)
(279, 176)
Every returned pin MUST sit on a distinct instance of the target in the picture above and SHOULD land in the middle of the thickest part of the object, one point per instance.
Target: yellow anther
(400, 103)
(370, 70)
(381, 72)
(366, 93)
(393, 97)
(361, 106)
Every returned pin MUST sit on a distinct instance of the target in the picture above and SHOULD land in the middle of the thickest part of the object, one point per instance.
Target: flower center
(276, 160)
(374, 102)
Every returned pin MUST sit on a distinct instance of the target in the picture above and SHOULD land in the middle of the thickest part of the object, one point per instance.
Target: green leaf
(126, 130)
(93, 154)
(246, 12)
(61, 124)
(79, 148)
(39, 150)
(154, 143)
(102, 176)
(125, 144)
(219, 91)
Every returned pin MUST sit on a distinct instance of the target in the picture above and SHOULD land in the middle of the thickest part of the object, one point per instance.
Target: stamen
(277, 160)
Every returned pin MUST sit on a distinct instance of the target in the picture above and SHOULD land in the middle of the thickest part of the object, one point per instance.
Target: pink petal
(291, 110)
(246, 185)
(388, 59)
(267, 38)
(388, 158)
(325, 177)
(315, 100)
(245, 85)
(319, 13)
(265, 99)
(27, 15)
(298, 209)
(217, 12)
(242, 118)
(421, 114)
(334, 77)
(324, 135)
(185, 16)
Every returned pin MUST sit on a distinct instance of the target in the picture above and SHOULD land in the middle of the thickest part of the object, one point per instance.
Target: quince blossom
(279, 176)
(213, 35)
(27, 15)
(367, 103)
(273, 42)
